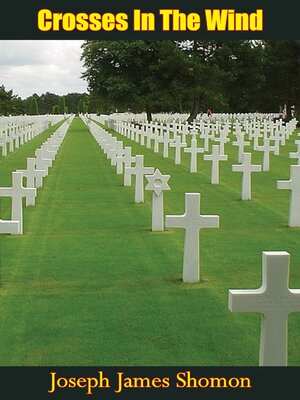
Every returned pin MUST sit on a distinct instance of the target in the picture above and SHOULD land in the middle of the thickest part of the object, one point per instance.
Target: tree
(175, 76)
(47, 101)
(33, 109)
(241, 63)
(282, 73)
(203, 76)
(9, 103)
(73, 99)
(61, 107)
(81, 107)
(130, 75)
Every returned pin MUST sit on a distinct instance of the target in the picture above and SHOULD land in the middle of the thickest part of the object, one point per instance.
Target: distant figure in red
(208, 112)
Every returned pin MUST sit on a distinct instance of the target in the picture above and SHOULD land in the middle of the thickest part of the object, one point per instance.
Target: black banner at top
(177, 20)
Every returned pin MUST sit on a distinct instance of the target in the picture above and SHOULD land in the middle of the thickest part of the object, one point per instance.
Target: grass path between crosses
(89, 283)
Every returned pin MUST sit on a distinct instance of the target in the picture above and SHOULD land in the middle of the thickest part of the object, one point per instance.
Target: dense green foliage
(46, 103)
(226, 76)
(9, 103)
(34, 110)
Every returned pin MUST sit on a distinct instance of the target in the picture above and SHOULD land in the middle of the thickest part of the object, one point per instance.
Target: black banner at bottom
(159, 383)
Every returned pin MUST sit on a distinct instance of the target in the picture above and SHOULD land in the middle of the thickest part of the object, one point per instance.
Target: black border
(34, 382)
(19, 19)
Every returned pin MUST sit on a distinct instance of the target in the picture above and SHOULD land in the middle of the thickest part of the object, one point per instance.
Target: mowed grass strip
(90, 284)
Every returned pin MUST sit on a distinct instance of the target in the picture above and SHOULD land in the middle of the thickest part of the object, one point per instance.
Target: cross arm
(9, 226)
(295, 300)
(284, 184)
(175, 221)
(5, 192)
(294, 155)
(245, 300)
(210, 221)
(238, 168)
(148, 170)
(130, 170)
(256, 168)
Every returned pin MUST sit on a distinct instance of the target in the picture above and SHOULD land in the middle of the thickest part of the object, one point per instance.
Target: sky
(40, 66)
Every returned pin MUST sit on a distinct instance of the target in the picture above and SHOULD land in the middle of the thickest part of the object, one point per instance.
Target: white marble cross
(293, 184)
(206, 136)
(11, 144)
(34, 178)
(139, 171)
(127, 160)
(108, 144)
(255, 135)
(194, 150)
(166, 140)
(274, 300)
(17, 191)
(149, 136)
(241, 143)
(157, 183)
(192, 221)
(41, 162)
(11, 227)
(53, 145)
(215, 157)
(3, 143)
(267, 148)
(157, 139)
(132, 132)
(296, 155)
(222, 139)
(115, 152)
(46, 152)
(121, 160)
(297, 143)
(246, 168)
(178, 145)
(278, 140)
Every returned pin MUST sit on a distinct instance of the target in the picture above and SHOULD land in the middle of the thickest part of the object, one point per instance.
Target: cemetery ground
(89, 283)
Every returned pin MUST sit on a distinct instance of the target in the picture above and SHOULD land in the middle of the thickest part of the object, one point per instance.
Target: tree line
(47, 103)
(192, 76)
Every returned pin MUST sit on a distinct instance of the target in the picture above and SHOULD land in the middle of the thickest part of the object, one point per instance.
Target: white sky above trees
(40, 66)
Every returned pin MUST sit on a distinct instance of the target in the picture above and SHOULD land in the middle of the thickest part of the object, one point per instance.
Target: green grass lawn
(89, 283)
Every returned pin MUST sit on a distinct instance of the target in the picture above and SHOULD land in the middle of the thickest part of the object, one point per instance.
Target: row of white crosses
(251, 128)
(11, 140)
(179, 143)
(245, 167)
(274, 300)
(245, 120)
(37, 169)
(218, 152)
(192, 221)
(275, 130)
(122, 158)
(240, 117)
(16, 132)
